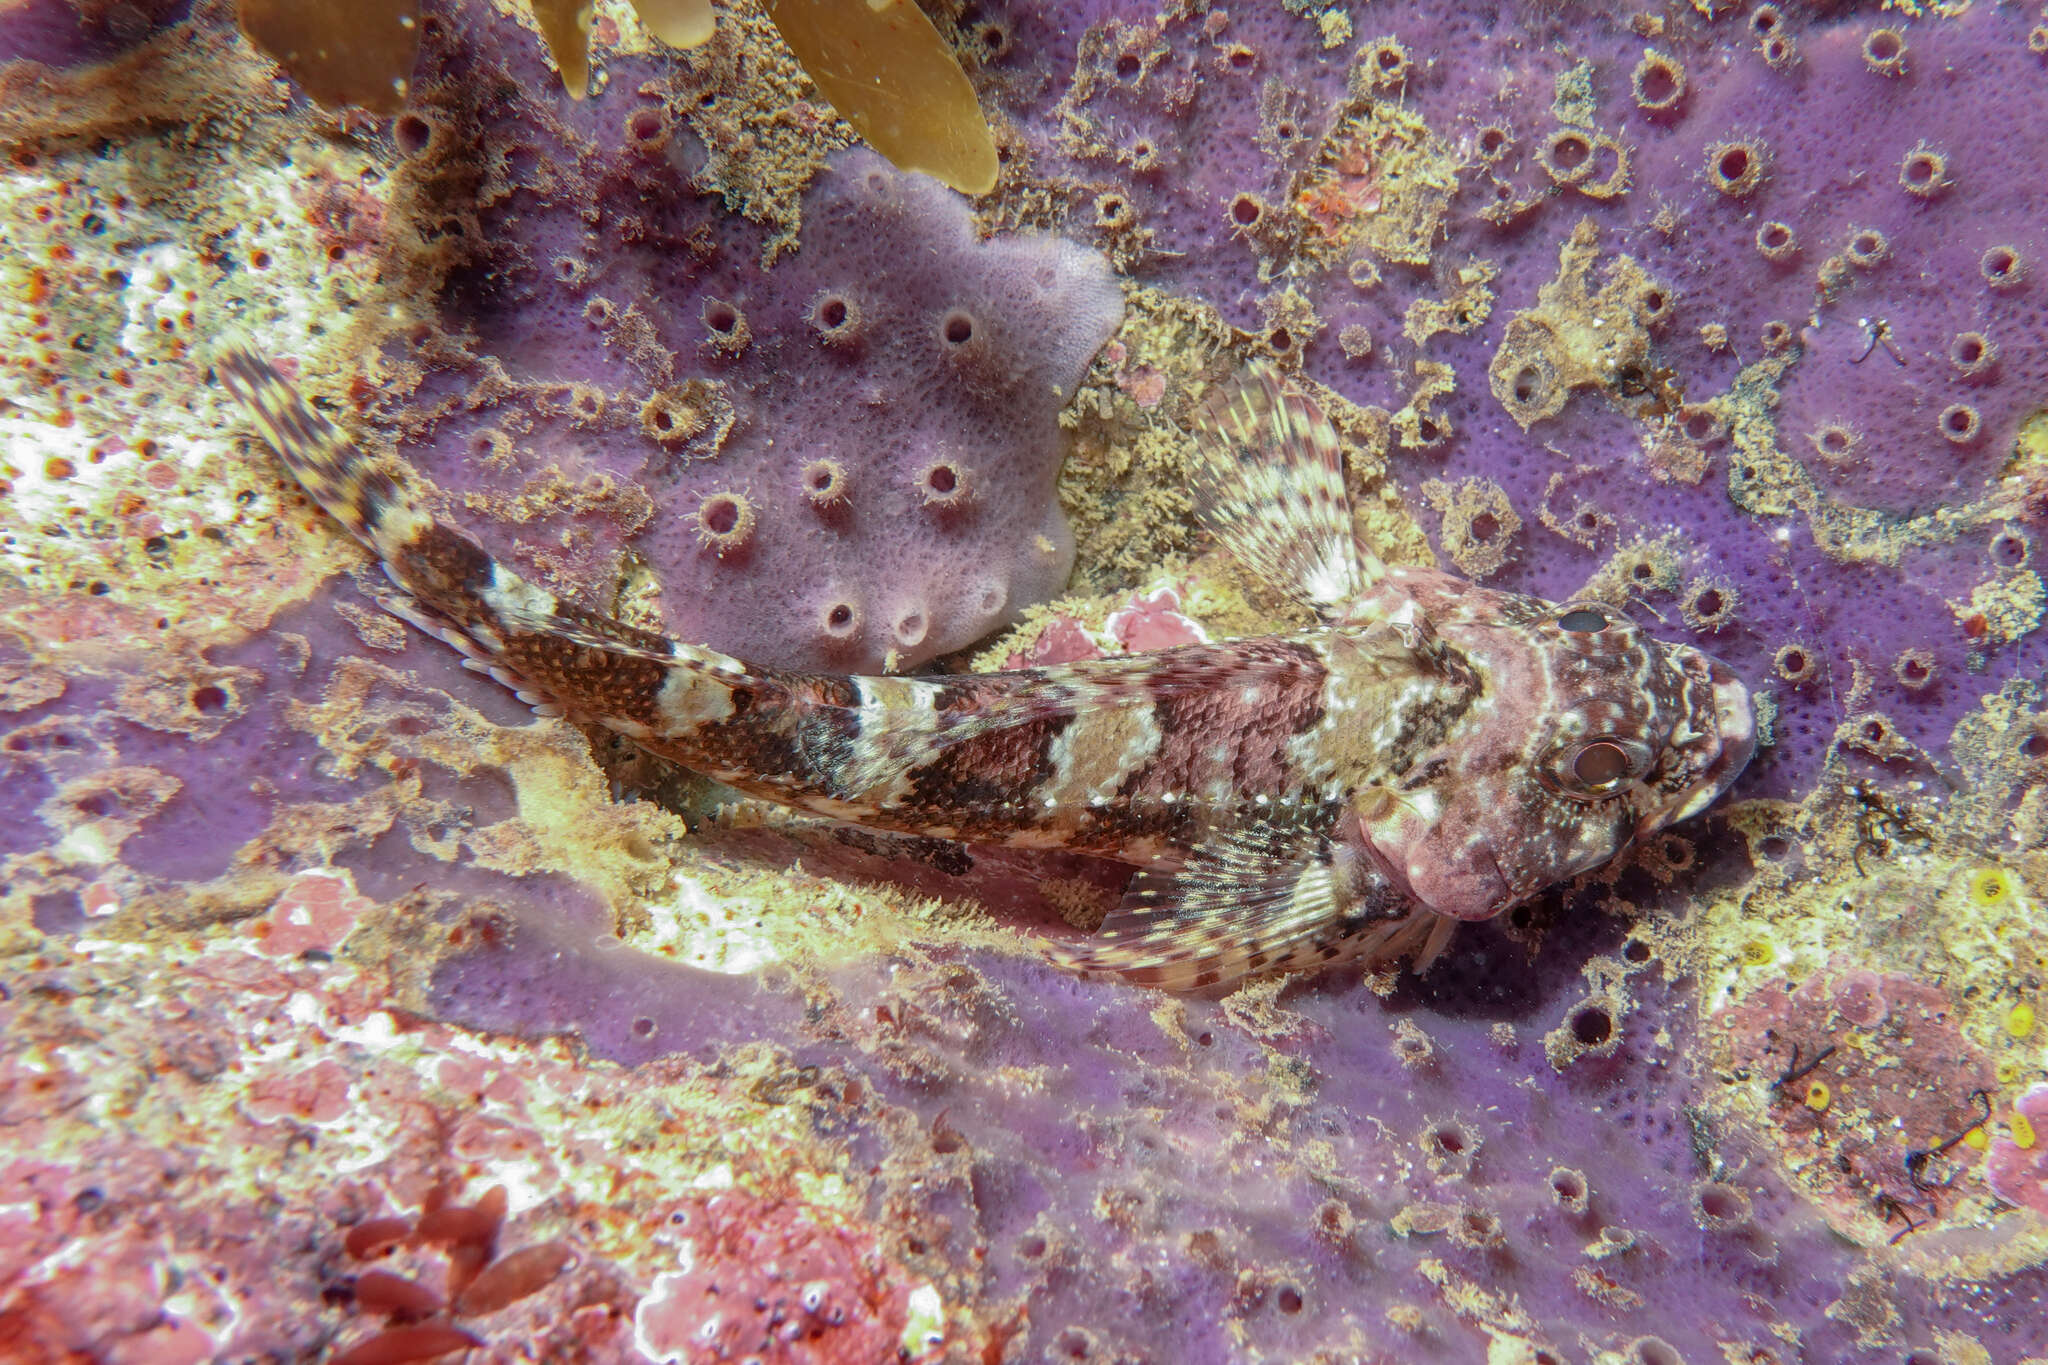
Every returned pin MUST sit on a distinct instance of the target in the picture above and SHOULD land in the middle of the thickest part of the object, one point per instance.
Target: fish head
(1578, 734)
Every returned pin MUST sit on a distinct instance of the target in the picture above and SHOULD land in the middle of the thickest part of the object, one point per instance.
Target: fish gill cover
(350, 1009)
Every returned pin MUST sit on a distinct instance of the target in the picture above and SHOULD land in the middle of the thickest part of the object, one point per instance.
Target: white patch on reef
(172, 274)
(527, 1184)
(190, 1310)
(644, 1319)
(153, 297)
(705, 931)
(85, 844)
(927, 1325)
(368, 1154)
(377, 1033)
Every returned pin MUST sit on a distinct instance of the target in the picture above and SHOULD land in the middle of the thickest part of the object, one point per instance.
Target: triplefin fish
(1430, 752)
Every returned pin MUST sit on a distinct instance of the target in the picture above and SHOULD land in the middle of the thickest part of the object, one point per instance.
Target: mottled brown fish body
(1433, 752)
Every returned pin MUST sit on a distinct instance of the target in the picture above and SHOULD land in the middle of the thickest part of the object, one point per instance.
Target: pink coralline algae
(1063, 641)
(315, 1094)
(208, 1216)
(315, 914)
(2017, 1171)
(1858, 1070)
(776, 1282)
(1153, 621)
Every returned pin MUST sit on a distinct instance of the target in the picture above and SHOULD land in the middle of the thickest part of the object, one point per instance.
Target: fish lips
(1724, 718)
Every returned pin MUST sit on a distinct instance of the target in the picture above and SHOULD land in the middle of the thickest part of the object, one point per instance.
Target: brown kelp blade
(889, 73)
(679, 23)
(565, 25)
(360, 53)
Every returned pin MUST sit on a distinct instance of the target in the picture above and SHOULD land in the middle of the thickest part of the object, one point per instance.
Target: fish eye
(1595, 769)
(1582, 621)
(1601, 764)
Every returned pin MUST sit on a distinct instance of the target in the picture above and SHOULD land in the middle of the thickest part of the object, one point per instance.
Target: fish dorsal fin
(1269, 481)
(1269, 896)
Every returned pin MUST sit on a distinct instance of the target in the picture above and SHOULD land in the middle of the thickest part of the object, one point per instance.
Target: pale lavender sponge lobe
(902, 441)
(844, 460)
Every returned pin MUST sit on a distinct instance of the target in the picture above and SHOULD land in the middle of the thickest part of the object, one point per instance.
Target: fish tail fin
(695, 705)
(452, 581)
(335, 472)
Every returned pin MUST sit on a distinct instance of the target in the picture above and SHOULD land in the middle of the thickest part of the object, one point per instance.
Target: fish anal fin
(1269, 482)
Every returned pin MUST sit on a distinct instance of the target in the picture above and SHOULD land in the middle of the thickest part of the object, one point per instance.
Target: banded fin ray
(1269, 483)
(1268, 896)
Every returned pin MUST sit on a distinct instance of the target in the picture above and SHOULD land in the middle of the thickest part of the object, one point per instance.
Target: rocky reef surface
(351, 1012)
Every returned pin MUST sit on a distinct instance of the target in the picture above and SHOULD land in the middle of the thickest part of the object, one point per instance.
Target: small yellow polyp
(1989, 886)
(1977, 1138)
(2019, 1020)
(1758, 953)
(2022, 1129)
(1818, 1096)
(886, 69)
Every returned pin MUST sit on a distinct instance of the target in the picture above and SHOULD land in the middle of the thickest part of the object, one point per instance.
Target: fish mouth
(1724, 715)
(1468, 895)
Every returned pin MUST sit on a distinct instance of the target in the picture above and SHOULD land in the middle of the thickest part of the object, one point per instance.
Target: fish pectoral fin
(1250, 900)
(1269, 482)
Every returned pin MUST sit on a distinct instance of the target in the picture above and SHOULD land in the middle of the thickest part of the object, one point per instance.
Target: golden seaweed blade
(679, 23)
(884, 67)
(565, 26)
(360, 54)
